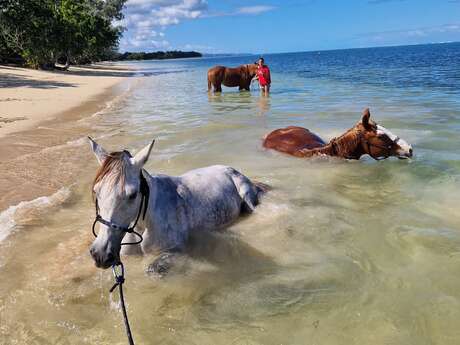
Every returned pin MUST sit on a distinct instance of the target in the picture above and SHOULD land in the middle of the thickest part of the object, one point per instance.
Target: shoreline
(30, 97)
(42, 154)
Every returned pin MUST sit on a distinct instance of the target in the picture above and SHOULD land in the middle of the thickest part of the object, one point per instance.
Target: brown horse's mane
(347, 142)
(114, 168)
(342, 146)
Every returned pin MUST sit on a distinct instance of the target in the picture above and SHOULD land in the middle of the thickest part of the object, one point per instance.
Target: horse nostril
(410, 152)
(110, 258)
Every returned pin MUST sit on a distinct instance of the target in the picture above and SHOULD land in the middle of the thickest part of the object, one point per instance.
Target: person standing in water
(263, 75)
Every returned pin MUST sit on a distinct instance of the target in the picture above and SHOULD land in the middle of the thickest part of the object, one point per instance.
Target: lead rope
(119, 280)
(120, 275)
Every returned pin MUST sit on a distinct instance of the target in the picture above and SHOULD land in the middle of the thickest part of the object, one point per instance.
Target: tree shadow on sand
(11, 80)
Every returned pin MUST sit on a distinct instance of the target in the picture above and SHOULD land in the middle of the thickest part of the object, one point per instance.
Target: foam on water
(9, 219)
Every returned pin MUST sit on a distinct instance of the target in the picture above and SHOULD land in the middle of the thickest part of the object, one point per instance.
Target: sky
(276, 26)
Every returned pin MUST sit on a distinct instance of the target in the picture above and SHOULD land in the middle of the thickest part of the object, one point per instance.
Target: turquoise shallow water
(340, 252)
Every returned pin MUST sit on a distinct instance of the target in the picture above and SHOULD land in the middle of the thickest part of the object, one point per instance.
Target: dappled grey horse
(164, 209)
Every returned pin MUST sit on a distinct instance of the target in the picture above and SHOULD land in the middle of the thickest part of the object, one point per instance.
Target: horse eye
(132, 196)
(385, 137)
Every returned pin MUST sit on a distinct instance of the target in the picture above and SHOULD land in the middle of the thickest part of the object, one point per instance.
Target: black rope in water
(119, 280)
(120, 275)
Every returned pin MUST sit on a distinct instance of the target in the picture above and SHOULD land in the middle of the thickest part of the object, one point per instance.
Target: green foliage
(175, 54)
(44, 31)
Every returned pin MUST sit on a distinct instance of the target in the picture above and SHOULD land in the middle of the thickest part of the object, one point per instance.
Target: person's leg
(265, 90)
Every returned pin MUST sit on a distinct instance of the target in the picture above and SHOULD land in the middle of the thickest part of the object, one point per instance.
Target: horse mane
(347, 142)
(113, 168)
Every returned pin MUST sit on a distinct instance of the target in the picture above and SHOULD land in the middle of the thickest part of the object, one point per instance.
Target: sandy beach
(39, 112)
(28, 97)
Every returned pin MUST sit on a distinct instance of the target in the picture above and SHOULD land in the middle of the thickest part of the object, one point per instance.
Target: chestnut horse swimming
(366, 137)
(240, 76)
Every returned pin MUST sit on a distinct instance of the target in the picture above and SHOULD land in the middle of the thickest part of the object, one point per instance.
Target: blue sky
(272, 26)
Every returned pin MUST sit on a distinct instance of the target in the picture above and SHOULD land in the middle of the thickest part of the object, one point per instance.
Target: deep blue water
(435, 66)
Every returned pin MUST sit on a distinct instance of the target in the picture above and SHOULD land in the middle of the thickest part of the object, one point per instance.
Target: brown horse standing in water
(240, 76)
(366, 137)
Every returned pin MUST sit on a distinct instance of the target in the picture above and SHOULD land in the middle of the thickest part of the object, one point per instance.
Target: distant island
(159, 55)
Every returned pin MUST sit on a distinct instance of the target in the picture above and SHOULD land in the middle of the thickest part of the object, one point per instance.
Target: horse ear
(98, 151)
(365, 119)
(142, 156)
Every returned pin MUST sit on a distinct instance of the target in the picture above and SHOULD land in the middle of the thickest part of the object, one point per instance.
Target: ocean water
(339, 252)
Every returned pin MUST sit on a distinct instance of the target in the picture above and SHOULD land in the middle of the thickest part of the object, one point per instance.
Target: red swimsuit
(264, 75)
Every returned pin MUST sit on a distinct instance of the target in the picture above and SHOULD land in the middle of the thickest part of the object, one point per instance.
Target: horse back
(210, 196)
(216, 72)
(292, 139)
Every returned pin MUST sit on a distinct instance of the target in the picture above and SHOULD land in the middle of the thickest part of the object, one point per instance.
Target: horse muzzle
(104, 260)
(405, 154)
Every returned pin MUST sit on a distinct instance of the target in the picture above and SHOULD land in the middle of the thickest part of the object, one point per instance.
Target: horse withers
(240, 77)
(366, 137)
(164, 209)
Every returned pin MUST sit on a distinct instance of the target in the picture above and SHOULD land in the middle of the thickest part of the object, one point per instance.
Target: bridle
(118, 268)
(387, 148)
(145, 193)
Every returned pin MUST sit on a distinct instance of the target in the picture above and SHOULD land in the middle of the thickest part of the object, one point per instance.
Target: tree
(45, 31)
(28, 27)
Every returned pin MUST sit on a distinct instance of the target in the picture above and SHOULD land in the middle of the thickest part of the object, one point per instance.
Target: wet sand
(39, 112)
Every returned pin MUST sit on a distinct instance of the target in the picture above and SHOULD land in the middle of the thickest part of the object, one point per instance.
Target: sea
(338, 252)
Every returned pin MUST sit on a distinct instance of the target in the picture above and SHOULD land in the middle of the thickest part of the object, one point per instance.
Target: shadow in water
(229, 253)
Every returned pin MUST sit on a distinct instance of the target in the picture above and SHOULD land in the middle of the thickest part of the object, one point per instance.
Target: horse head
(118, 193)
(378, 142)
(252, 70)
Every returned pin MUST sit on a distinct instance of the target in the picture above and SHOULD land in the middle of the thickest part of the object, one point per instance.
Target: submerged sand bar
(28, 97)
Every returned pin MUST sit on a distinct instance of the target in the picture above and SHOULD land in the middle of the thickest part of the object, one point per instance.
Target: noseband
(145, 192)
(387, 148)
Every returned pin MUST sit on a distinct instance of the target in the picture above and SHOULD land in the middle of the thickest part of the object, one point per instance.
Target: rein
(118, 269)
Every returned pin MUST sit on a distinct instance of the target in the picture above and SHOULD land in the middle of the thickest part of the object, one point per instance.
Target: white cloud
(146, 20)
(254, 10)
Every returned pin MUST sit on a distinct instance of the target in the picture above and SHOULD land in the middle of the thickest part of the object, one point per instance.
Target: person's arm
(256, 77)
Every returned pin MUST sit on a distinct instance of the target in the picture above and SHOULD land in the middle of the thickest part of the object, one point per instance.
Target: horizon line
(335, 49)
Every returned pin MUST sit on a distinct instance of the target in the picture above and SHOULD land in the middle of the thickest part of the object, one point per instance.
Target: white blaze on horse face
(405, 150)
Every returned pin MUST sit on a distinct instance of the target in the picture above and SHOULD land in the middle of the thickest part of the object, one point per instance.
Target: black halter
(145, 193)
(387, 148)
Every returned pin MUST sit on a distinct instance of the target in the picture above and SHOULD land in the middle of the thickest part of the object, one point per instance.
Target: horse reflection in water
(200, 200)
